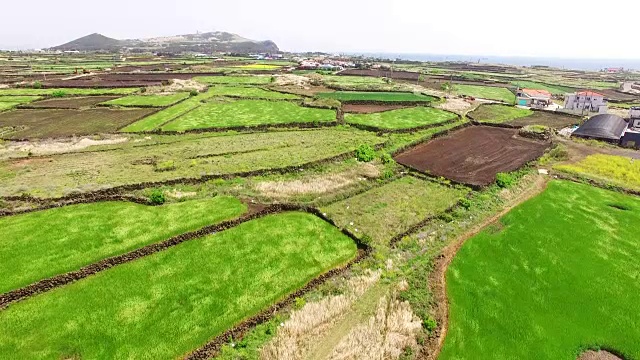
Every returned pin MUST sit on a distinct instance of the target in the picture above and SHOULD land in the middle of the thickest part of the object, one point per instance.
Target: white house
(634, 118)
(585, 100)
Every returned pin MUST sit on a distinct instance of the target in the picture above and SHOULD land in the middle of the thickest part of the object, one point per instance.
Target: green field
(402, 119)
(9, 102)
(8, 105)
(162, 117)
(608, 169)
(170, 303)
(486, 92)
(499, 114)
(391, 209)
(553, 89)
(352, 81)
(235, 80)
(250, 93)
(376, 96)
(556, 275)
(148, 100)
(193, 156)
(39, 245)
(48, 92)
(258, 67)
(230, 113)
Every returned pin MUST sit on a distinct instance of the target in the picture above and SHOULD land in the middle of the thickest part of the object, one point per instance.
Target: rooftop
(536, 93)
(589, 93)
(603, 126)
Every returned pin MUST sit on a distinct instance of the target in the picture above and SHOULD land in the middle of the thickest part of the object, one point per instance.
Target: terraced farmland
(148, 100)
(402, 119)
(355, 96)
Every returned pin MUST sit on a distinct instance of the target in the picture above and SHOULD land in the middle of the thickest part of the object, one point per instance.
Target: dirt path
(437, 279)
(364, 308)
(578, 151)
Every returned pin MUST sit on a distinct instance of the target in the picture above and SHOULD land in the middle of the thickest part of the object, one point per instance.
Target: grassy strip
(609, 169)
(376, 96)
(160, 118)
(148, 100)
(383, 212)
(167, 304)
(225, 113)
(517, 292)
(49, 92)
(19, 99)
(235, 80)
(498, 114)
(250, 93)
(486, 92)
(553, 89)
(40, 245)
(8, 105)
(402, 118)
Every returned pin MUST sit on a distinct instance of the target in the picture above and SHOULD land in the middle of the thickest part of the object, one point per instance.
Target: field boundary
(264, 127)
(594, 182)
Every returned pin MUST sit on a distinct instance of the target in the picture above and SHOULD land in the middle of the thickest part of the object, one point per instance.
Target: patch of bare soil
(369, 109)
(49, 147)
(177, 85)
(437, 278)
(598, 355)
(319, 184)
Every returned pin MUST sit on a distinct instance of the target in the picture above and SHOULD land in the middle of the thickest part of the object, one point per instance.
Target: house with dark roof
(605, 127)
(533, 97)
(585, 101)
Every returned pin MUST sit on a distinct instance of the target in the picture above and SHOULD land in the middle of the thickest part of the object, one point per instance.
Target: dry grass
(456, 105)
(177, 85)
(47, 147)
(317, 184)
(393, 328)
(301, 331)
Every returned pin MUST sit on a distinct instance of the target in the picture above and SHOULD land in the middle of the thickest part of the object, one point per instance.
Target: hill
(202, 42)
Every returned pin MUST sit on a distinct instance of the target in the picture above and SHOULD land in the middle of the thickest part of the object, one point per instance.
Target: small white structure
(586, 100)
(533, 98)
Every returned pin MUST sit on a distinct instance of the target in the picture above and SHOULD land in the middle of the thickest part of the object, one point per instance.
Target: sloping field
(71, 102)
(607, 169)
(502, 114)
(391, 209)
(250, 93)
(39, 245)
(172, 302)
(351, 96)
(402, 119)
(473, 155)
(192, 156)
(229, 113)
(52, 123)
(486, 92)
(557, 275)
(47, 92)
(148, 100)
(10, 102)
(235, 80)
(370, 109)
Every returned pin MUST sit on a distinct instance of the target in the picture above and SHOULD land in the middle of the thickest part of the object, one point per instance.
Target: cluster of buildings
(323, 63)
(581, 101)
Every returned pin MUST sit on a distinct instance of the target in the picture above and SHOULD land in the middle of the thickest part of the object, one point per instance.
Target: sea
(560, 63)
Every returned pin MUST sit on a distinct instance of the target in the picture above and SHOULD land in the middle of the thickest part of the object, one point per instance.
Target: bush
(505, 180)
(58, 94)
(299, 303)
(157, 197)
(465, 203)
(429, 324)
(166, 166)
(365, 153)
(558, 153)
(37, 85)
(143, 90)
(386, 158)
(193, 93)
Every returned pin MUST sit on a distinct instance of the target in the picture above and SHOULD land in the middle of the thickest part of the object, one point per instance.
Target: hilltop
(201, 42)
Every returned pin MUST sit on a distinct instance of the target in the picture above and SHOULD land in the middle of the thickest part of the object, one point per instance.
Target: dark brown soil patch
(70, 103)
(554, 120)
(598, 355)
(473, 155)
(55, 123)
(370, 108)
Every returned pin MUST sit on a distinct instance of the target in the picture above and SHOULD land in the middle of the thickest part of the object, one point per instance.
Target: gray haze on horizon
(568, 29)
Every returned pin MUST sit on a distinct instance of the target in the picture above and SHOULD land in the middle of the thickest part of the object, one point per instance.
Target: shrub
(388, 174)
(157, 197)
(166, 166)
(299, 303)
(430, 324)
(557, 153)
(37, 85)
(386, 158)
(193, 93)
(366, 240)
(143, 90)
(365, 153)
(505, 180)
(58, 94)
(465, 203)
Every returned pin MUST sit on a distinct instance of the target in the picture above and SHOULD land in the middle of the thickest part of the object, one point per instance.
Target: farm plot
(553, 89)
(607, 169)
(402, 119)
(250, 93)
(172, 157)
(502, 114)
(170, 303)
(370, 96)
(10, 102)
(49, 92)
(71, 102)
(486, 92)
(52, 123)
(391, 209)
(517, 291)
(353, 81)
(235, 80)
(148, 100)
(473, 155)
(243, 113)
(370, 109)
(43, 244)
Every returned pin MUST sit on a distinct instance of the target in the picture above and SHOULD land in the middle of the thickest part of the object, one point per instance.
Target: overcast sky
(542, 28)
